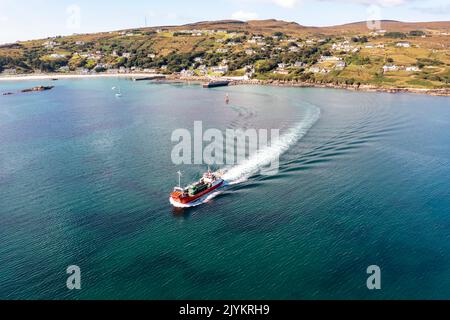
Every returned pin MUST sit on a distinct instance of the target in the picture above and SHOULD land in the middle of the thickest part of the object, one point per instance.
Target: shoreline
(445, 92)
(46, 76)
(278, 83)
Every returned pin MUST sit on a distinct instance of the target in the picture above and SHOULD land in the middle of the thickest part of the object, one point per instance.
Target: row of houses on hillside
(392, 68)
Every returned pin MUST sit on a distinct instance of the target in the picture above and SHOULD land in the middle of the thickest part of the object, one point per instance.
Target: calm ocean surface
(85, 179)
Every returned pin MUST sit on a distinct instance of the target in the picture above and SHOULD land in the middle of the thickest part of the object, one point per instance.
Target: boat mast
(179, 178)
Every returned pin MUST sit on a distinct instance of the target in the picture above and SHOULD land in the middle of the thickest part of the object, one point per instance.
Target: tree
(395, 35)
(416, 33)
(279, 34)
(265, 66)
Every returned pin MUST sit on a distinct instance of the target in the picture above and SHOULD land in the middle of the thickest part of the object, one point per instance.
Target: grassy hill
(401, 55)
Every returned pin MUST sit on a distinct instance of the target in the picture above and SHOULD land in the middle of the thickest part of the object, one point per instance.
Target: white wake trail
(266, 156)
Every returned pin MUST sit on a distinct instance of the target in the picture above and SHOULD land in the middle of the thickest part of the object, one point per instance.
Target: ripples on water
(85, 180)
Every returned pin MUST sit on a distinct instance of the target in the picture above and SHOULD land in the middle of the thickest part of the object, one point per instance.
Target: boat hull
(178, 197)
(215, 84)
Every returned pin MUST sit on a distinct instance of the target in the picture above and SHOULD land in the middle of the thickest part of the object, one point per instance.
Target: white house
(82, 70)
(404, 44)
(64, 69)
(187, 73)
(390, 68)
(222, 50)
(126, 55)
(281, 71)
(10, 71)
(219, 69)
(340, 65)
(329, 58)
(57, 56)
(50, 44)
(202, 70)
(102, 65)
(412, 69)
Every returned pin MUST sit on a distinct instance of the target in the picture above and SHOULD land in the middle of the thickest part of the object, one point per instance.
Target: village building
(11, 71)
(57, 56)
(219, 69)
(389, 68)
(412, 69)
(281, 72)
(187, 73)
(64, 69)
(222, 50)
(329, 58)
(403, 44)
(340, 65)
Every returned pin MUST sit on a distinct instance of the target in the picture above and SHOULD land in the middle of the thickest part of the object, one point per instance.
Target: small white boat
(118, 94)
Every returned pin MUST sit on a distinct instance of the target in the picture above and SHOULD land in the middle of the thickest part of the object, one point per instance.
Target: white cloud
(389, 3)
(280, 3)
(243, 15)
(172, 16)
(285, 3)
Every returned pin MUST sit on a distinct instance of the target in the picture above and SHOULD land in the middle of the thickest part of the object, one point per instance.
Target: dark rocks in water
(38, 89)
(7, 93)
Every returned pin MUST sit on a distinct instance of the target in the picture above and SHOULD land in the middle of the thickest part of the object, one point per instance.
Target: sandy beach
(74, 76)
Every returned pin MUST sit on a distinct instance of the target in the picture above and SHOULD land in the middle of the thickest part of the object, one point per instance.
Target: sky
(36, 19)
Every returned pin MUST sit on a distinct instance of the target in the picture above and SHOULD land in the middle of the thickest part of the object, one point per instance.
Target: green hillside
(413, 55)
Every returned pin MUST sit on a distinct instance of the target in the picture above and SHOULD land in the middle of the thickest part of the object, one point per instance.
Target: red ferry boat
(206, 185)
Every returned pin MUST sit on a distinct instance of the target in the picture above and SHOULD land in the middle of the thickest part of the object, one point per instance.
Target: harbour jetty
(215, 84)
(157, 77)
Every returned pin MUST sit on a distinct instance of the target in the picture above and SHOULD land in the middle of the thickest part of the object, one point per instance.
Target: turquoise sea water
(85, 179)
